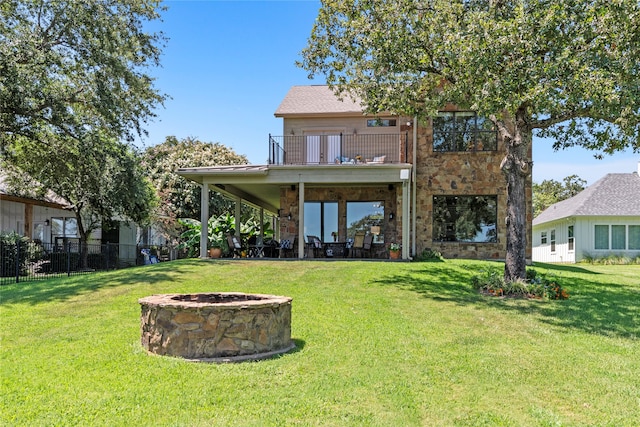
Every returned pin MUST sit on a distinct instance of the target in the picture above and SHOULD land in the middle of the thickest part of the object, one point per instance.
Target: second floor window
(463, 131)
(372, 123)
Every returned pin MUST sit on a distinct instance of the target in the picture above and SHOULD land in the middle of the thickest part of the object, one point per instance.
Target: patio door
(322, 147)
(313, 148)
(333, 148)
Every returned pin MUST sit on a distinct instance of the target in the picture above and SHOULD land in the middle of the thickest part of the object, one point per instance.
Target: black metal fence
(32, 261)
(338, 149)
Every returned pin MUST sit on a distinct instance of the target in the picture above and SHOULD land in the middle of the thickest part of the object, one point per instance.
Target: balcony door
(322, 147)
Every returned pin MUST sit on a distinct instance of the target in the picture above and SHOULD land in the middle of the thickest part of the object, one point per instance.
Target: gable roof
(316, 100)
(616, 194)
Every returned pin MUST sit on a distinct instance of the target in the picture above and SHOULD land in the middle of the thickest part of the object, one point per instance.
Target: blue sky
(228, 65)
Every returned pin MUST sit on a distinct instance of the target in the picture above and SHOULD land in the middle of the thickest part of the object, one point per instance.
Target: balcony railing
(338, 149)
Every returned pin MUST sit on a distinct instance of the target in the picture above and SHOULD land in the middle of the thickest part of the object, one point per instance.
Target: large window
(463, 131)
(367, 217)
(634, 237)
(601, 237)
(552, 239)
(321, 219)
(618, 237)
(465, 219)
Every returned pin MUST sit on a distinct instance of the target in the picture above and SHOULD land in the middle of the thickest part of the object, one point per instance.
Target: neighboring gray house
(602, 220)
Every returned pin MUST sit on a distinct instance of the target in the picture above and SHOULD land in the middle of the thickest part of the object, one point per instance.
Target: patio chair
(256, 247)
(314, 247)
(287, 247)
(367, 245)
(358, 243)
(234, 245)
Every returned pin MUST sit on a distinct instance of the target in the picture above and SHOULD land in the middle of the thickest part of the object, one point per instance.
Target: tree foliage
(99, 177)
(66, 65)
(180, 198)
(551, 191)
(569, 70)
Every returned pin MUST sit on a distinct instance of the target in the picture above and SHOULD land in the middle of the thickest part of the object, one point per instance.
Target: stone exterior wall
(342, 194)
(461, 174)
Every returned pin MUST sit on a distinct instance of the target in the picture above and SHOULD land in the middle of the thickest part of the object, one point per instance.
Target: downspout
(414, 190)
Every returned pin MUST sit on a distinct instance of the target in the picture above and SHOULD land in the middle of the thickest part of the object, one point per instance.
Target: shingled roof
(315, 100)
(616, 194)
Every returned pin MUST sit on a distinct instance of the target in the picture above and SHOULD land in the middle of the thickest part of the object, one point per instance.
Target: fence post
(18, 262)
(68, 244)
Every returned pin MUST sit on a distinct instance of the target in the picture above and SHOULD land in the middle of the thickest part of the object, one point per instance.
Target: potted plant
(215, 249)
(394, 251)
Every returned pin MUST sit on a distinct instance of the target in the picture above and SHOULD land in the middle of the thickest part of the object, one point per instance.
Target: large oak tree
(565, 69)
(59, 56)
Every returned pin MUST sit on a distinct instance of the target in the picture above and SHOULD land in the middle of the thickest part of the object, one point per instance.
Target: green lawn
(382, 344)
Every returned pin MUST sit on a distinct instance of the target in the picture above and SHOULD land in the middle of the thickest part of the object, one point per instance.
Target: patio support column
(237, 215)
(405, 219)
(301, 220)
(262, 225)
(204, 219)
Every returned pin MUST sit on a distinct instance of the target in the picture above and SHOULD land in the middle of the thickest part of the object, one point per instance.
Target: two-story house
(336, 172)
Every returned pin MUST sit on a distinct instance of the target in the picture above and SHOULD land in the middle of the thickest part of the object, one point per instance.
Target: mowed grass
(378, 344)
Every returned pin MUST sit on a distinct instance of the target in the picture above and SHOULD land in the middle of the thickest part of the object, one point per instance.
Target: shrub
(430, 255)
(611, 259)
(534, 286)
(13, 250)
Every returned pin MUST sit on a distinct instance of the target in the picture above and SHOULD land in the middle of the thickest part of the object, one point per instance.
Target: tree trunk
(516, 168)
(84, 249)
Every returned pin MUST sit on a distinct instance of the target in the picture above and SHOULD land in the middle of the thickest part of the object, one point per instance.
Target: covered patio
(283, 190)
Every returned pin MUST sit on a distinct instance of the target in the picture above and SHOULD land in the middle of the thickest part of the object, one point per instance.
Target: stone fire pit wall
(216, 325)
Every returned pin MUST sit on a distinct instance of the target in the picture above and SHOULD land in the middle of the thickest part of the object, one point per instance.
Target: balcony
(338, 149)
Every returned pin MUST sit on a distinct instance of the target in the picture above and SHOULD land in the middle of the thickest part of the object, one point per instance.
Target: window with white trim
(634, 237)
(553, 240)
(618, 237)
(570, 239)
(601, 233)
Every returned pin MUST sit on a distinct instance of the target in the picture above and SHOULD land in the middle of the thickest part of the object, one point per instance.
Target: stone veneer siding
(342, 194)
(471, 173)
(195, 330)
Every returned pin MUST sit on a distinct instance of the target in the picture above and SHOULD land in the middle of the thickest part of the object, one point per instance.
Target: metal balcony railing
(338, 149)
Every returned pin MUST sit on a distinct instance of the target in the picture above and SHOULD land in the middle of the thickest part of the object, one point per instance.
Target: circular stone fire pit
(216, 327)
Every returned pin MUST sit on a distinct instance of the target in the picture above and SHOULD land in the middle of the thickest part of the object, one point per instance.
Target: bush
(13, 250)
(534, 286)
(430, 255)
(611, 259)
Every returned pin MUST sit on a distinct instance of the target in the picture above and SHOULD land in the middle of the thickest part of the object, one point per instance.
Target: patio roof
(260, 185)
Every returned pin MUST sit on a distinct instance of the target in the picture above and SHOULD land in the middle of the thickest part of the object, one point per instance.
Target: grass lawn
(379, 344)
